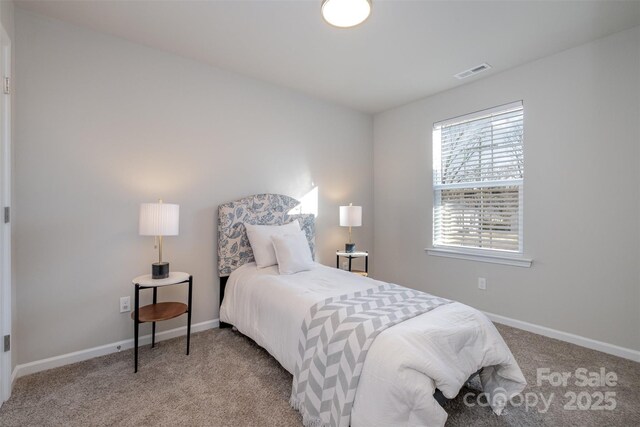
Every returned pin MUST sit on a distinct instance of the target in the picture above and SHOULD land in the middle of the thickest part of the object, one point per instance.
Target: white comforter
(405, 364)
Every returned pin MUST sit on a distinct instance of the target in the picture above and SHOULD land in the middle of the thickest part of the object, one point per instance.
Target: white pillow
(292, 252)
(260, 240)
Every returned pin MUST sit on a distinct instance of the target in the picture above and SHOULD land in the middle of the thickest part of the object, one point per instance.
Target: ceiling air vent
(472, 71)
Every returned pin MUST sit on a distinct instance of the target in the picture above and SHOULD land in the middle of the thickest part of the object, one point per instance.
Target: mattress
(405, 364)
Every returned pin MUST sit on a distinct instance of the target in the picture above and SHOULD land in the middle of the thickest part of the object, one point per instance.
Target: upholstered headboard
(234, 249)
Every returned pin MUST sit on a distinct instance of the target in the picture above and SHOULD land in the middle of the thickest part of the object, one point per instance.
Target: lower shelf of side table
(161, 311)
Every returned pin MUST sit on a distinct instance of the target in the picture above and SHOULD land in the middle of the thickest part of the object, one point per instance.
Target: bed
(406, 366)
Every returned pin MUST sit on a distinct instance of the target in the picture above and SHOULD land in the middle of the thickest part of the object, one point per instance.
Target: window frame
(491, 255)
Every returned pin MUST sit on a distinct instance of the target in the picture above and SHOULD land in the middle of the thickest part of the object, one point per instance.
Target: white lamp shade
(159, 219)
(345, 13)
(351, 216)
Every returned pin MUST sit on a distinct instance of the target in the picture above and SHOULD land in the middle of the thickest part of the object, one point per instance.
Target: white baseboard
(79, 356)
(14, 376)
(604, 347)
(90, 353)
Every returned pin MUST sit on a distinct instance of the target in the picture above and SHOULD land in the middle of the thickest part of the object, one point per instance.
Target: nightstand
(159, 311)
(351, 256)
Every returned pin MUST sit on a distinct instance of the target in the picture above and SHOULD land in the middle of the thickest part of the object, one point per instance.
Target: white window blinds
(478, 171)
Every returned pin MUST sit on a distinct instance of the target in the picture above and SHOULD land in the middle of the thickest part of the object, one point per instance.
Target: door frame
(5, 228)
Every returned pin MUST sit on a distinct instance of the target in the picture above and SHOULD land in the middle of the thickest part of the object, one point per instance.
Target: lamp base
(159, 270)
(349, 247)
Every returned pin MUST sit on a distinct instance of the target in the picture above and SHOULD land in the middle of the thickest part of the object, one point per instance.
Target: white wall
(103, 125)
(582, 201)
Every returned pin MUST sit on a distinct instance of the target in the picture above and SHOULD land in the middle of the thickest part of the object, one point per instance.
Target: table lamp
(158, 220)
(350, 216)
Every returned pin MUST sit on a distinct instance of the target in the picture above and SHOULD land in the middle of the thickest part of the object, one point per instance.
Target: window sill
(513, 260)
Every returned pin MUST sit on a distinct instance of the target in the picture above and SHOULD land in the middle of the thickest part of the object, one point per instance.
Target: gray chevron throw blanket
(335, 337)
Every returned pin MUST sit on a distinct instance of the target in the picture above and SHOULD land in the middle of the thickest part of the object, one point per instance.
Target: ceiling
(406, 50)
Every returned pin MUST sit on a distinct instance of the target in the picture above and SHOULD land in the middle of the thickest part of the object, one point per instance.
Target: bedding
(405, 363)
(260, 238)
(336, 335)
(292, 253)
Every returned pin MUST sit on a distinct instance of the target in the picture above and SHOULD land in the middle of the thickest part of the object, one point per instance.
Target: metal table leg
(136, 324)
(189, 315)
(153, 326)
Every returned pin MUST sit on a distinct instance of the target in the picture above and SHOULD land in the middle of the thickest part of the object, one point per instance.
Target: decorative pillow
(260, 241)
(292, 252)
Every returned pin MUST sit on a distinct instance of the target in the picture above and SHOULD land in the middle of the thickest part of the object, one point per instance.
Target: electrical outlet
(482, 283)
(125, 304)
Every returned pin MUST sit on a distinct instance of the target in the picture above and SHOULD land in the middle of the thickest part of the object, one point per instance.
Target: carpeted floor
(229, 381)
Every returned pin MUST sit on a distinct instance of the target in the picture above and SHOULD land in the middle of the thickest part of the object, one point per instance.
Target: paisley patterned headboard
(234, 249)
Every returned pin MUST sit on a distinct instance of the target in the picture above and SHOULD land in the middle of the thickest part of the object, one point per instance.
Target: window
(478, 171)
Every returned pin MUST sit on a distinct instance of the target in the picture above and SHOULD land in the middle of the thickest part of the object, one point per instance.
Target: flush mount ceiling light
(345, 13)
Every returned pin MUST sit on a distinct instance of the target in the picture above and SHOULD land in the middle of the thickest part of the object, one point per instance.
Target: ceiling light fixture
(345, 13)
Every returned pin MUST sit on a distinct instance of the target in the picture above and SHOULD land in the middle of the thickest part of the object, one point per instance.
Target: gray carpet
(229, 381)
